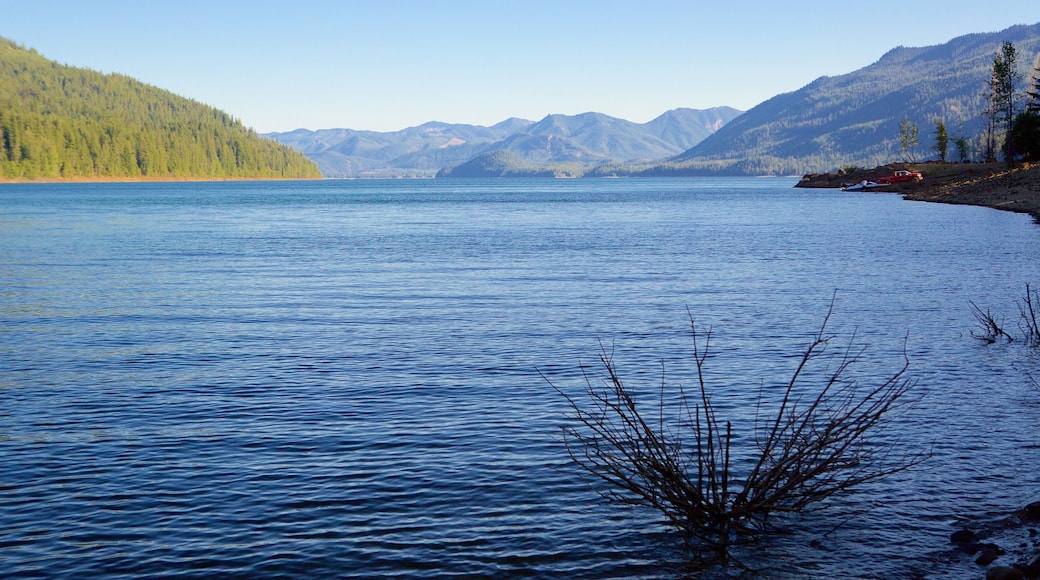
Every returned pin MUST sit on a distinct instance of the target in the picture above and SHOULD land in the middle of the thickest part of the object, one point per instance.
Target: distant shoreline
(112, 179)
(982, 184)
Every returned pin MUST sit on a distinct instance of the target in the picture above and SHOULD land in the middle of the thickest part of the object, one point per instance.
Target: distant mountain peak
(832, 122)
(586, 138)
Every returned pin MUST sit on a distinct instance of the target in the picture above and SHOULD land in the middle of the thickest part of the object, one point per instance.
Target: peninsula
(984, 184)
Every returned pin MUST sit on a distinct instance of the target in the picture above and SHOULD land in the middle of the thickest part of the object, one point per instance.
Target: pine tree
(942, 140)
(1034, 95)
(1004, 94)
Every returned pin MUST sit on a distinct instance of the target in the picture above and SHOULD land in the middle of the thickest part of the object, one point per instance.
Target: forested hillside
(58, 121)
(854, 119)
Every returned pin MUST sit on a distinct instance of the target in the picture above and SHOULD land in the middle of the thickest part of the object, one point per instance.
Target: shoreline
(1016, 190)
(990, 185)
(149, 179)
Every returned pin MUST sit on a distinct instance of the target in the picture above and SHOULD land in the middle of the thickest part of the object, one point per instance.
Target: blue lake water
(341, 378)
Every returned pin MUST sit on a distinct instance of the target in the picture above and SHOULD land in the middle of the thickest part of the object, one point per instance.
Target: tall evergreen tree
(942, 140)
(1034, 95)
(1004, 95)
(1025, 137)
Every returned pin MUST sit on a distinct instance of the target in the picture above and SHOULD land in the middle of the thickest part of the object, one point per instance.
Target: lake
(344, 378)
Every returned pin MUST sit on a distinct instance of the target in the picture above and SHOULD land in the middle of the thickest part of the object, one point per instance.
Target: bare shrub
(814, 443)
(1029, 307)
(989, 330)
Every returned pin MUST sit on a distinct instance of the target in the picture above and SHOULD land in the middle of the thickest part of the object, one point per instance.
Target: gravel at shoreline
(983, 184)
(1016, 190)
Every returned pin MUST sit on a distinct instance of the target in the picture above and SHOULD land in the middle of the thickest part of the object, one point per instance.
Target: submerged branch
(806, 452)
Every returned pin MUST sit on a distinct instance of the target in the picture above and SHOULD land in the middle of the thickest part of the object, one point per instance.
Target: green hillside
(58, 121)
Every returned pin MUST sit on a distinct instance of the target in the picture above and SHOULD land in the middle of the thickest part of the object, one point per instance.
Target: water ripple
(343, 379)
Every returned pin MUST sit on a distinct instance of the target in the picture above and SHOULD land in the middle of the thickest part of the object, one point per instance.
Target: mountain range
(61, 122)
(833, 122)
(556, 140)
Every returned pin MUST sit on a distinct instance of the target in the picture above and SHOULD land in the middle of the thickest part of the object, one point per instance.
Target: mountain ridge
(832, 122)
(58, 121)
(556, 139)
(853, 119)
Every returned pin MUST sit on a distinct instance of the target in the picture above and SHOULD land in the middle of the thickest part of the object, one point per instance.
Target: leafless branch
(1029, 308)
(813, 444)
(990, 330)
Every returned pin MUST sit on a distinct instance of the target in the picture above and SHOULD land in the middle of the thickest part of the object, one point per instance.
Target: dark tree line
(1020, 127)
(60, 121)
(1025, 135)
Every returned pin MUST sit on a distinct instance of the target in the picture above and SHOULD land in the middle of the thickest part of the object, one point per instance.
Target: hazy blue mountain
(587, 139)
(596, 137)
(502, 163)
(687, 127)
(415, 151)
(853, 119)
(833, 122)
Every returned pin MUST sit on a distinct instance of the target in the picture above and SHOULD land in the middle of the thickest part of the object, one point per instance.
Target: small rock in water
(964, 536)
(1004, 573)
(1031, 513)
(988, 553)
(1032, 569)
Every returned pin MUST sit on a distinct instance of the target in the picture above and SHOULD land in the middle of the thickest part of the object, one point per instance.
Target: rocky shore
(985, 184)
(1005, 549)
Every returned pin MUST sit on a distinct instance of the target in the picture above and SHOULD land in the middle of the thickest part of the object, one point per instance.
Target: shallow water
(341, 378)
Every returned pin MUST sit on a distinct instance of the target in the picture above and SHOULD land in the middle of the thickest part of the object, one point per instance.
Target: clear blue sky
(385, 65)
